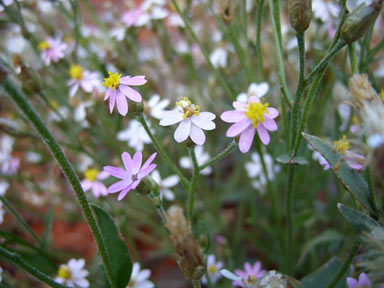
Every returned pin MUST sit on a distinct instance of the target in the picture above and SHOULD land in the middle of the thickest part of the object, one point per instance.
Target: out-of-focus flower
(201, 156)
(8, 163)
(1, 274)
(213, 269)
(317, 156)
(174, 20)
(363, 282)
(88, 81)
(73, 274)
(273, 280)
(52, 50)
(165, 184)
(139, 278)
(130, 17)
(354, 160)
(155, 106)
(191, 121)
(132, 175)
(325, 10)
(135, 134)
(3, 187)
(249, 118)
(250, 274)
(258, 90)
(151, 10)
(7, 3)
(353, 4)
(92, 181)
(2, 212)
(219, 57)
(118, 90)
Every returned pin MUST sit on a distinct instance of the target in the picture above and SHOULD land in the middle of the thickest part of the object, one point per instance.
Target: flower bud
(226, 11)
(145, 186)
(135, 108)
(359, 21)
(300, 14)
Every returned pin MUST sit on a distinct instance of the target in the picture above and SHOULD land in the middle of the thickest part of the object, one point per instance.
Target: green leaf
(359, 221)
(117, 250)
(321, 277)
(47, 227)
(351, 180)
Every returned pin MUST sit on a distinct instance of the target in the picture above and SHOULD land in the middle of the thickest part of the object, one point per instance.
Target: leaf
(117, 250)
(351, 180)
(47, 228)
(359, 221)
(321, 277)
(290, 160)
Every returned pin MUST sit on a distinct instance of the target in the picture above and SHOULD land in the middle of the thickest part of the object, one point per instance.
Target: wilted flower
(52, 50)
(139, 278)
(135, 134)
(165, 184)
(132, 175)
(201, 156)
(118, 90)
(249, 118)
(73, 274)
(88, 81)
(213, 269)
(92, 181)
(363, 282)
(192, 121)
(273, 280)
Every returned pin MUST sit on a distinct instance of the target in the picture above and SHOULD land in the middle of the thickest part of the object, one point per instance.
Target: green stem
(67, 169)
(259, 18)
(352, 58)
(289, 219)
(19, 262)
(347, 262)
(162, 153)
(229, 89)
(372, 195)
(192, 188)
(196, 284)
(228, 150)
(20, 220)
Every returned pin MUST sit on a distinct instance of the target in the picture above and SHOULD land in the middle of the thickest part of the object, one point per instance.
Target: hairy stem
(192, 189)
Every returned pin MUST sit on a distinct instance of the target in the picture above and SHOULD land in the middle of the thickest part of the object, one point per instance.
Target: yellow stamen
(382, 95)
(76, 72)
(341, 145)
(91, 174)
(251, 279)
(113, 80)
(54, 104)
(44, 45)
(212, 269)
(188, 108)
(256, 111)
(64, 272)
(355, 121)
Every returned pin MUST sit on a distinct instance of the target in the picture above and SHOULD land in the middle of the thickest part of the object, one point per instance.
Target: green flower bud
(145, 186)
(135, 108)
(359, 21)
(300, 14)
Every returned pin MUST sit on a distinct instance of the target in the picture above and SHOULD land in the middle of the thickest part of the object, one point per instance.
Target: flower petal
(119, 185)
(122, 104)
(130, 93)
(134, 81)
(263, 134)
(170, 181)
(272, 112)
(149, 161)
(136, 162)
(127, 160)
(197, 135)
(203, 122)
(170, 118)
(269, 124)
(112, 100)
(232, 116)
(246, 139)
(117, 172)
(144, 172)
(124, 193)
(238, 127)
(183, 130)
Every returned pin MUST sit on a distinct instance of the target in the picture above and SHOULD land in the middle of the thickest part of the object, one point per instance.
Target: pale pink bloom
(52, 50)
(249, 118)
(317, 156)
(363, 282)
(93, 182)
(119, 90)
(249, 274)
(132, 175)
(130, 17)
(213, 269)
(354, 160)
(86, 80)
(191, 121)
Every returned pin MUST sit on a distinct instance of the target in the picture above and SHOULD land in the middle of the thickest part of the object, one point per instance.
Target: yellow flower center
(256, 111)
(64, 272)
(76, 72)
(251, 279)
(44, 45)
(91, 174)
(212, 269)
(341, 145)
(355, 121)
(54, 104)
(113, 80)
(382, 94)
(188, 108)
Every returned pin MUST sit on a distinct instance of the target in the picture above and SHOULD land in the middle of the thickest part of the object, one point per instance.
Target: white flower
(165, 184)
(258, 90)
(118, 33)
(353, 4)
(174, 20)
(80, 113)
(2, 212)
(156, 106)
(72, 274)
(273, 280)
(191, 121)
(135, 134)
(8, 164)
(139, 279)
(318, 157)
(325, 10)
(379, 72)
(213, 269)
(7, 3)
(86, 80)
(151, 10)
(375, 140)
(201, 156)
(219, 57)
(33, 157)
(3, 187)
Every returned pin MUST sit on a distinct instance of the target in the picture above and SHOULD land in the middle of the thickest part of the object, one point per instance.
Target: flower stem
(228, 150)
(163, 154)
(352, 58)
(192, 188)
(20, 220)
(259, 18)
(289, 220)
(18, 261)
(66, 167)
(196, 284)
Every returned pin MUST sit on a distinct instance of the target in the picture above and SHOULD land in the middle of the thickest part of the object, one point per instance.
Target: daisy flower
(139, 278)
(118, 90)
(201, 156)
(213, 269)
(73, 274)
(192, 121)
(52, 50)
(151, 10)
(155, 106)
(258, 90)
(92, 181)
(136, 135)
(131, 176)
(250, 275)
(363, 282)
(249, 118)
(165, 184)
(88, 81)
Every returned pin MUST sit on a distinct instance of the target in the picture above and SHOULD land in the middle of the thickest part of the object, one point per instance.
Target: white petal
(183, 130)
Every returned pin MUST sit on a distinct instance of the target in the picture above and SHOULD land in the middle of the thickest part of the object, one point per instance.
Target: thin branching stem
(259, 18)
(228, 150)
(192, 189)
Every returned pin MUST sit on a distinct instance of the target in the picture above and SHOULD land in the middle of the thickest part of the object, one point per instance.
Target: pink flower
(363, 282)
(118, 90)
(88, 81)
(132, 175)
(130, 17)
(192, 121)
(92, 181)
(249, 118)
(250, 274)
(52, 50)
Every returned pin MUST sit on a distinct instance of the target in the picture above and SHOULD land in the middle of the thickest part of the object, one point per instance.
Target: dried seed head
(359, 21)
(362, 91)
(27, 79)
(226, 10)
(300, 14)
(190, 258)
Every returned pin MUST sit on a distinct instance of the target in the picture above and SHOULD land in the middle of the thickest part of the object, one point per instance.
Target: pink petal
(112, 100)
(144, 172)
(134, 81)
(117, 172)
(254, 99)
(183, 130)
(127, 160)
(149, 161)
(95, 190)
(122, 105)
(203, 122)
(103, 190)
(272, 112)
(107, 94)
(239, 105)
(102, 175)
(135, 184)
(269, 124)
(238, 127)
(246, 139)
(136, 162)
(124, 193)
(130, 93)
(86, 184)
(119, 185)
(263, 134)
(232, 116)
(197, 135)
(73, 90)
